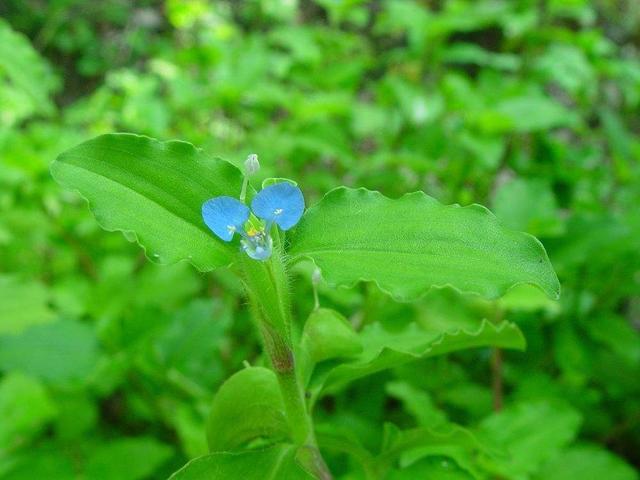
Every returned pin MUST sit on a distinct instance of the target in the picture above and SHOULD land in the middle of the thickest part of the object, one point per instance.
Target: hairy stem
(267, 288)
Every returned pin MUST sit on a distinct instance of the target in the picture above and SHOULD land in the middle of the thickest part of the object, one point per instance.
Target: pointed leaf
(414, 243)
(154, 190)
(386, 348)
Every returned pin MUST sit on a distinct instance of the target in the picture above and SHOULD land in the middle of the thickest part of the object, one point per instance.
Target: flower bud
(316, 276)
(251, 165)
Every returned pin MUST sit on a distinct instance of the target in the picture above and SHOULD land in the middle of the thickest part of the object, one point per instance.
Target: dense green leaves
(529, 108)
(412, 244)
(153, 191)
(274, 463)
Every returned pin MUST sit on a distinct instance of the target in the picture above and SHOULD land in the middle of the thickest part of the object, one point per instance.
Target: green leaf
(25, 409)
(587, 462)
(190, 345)
(531, 433)
(29, 76)
(22, 304)
(414, 243)
(274, 463)
(61, 351)
(527, 113)
(433, 468)
(248, 406)
(409, 446)
(153, 190)
(418, 403)
(388, 346)
(127, 459)
(41, 462)
(528, 205)
(327, 334)
(617, 333)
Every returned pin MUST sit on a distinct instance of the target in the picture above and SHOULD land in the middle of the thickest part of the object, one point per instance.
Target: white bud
(251, 164)
(316, 276)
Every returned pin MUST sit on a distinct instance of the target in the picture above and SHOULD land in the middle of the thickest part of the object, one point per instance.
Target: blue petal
(282, 203)
(225, 215)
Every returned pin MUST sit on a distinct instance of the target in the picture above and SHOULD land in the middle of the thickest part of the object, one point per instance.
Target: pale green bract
(411, 244)
(155, 190)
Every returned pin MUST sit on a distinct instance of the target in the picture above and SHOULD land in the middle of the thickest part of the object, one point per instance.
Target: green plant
(155, 191)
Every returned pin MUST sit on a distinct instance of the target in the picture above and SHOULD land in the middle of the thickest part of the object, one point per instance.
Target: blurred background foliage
(108, 363)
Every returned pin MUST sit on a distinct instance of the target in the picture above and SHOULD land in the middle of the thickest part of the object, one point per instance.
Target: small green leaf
(29, 75)
(528, 205)
(433, 468)
(327, 334)
(414, 243)
(386, 348)
(127, 459)
(25, 409)
(39, 462)
(528, 113)
(248, 406)
(274, 463)
(62, 351)
(154, 190)
(587, 462)
(22, 304)
(531, 433)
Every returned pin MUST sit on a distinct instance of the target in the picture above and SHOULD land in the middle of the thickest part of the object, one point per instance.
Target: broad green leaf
(153, 190)
(587, 462)
(22, 304)
(531, 433)
(248, 406)
(409, 245)
(274, 463)
(386, 347)
(25, 409)
(62, 351)
(127, 459)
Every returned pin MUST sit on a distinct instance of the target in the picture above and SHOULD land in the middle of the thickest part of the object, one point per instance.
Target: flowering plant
(180, 204)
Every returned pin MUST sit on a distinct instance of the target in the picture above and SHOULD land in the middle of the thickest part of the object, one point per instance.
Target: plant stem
(267, 288)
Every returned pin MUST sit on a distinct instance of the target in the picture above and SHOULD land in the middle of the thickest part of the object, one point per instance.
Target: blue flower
(281, 204)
